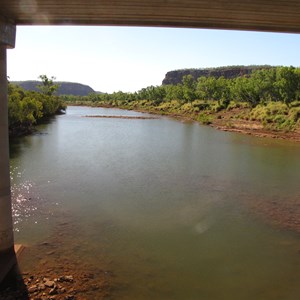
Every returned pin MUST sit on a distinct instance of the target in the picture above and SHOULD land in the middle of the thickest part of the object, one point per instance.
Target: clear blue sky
(130, 58)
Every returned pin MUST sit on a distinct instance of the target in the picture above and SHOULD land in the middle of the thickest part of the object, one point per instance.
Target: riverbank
(234, 118)
(228, 121)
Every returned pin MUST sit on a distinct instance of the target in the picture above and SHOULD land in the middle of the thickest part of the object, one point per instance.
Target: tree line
(262, 86)
(26, 108)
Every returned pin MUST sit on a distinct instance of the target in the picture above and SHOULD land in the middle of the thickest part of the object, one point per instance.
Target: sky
(131, 58)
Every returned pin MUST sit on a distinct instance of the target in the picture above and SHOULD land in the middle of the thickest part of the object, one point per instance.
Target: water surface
(175, 210)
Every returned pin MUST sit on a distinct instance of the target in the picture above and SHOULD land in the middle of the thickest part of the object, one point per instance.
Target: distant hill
(65, 88)
(175, 77)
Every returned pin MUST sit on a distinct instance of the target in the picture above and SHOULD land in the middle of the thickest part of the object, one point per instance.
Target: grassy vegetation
(276, 115)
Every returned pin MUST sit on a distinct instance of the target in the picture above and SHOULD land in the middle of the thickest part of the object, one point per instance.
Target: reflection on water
(24, 205)
(29, 210)
(175, 210)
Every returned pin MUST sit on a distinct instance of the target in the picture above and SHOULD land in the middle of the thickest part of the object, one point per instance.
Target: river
(174, 210)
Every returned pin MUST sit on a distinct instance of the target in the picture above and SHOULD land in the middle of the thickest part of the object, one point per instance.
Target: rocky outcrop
(175, 77)
(65, 88)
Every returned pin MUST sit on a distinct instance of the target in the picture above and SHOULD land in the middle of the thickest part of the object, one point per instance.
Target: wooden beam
(259, 15)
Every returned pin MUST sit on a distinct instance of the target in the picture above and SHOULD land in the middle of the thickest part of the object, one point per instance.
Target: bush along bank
(28, 108)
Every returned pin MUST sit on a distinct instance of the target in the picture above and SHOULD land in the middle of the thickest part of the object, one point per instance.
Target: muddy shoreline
(226, 121)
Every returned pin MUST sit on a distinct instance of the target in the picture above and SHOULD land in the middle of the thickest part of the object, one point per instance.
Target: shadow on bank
(12, 285)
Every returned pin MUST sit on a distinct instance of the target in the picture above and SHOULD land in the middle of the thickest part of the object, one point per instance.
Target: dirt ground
(227, 121)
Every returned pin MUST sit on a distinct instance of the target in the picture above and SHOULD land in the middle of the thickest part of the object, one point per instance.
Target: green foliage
(276, 84)
(287, 83)
(211, 88)
(295, 104)
(294, 114)
(201, 105)
(205, 119)
(267, 112)
(187, 108)
(156, 94)
(245, 89)
(276, 115)
(261, 86)
(47, 87)
(235, 104)
(173, 92)
(26, 108)
(189, 88)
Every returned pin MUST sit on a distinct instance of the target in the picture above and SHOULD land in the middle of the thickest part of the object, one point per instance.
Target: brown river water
(158, 208)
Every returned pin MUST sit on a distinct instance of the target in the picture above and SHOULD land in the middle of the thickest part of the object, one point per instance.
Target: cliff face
(65, 88)
(175, 77)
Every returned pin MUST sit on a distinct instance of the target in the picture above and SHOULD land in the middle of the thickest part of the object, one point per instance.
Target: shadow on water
(18, 143)
(13, 286)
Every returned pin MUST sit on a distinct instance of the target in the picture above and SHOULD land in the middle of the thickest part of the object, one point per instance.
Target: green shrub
(276, 116)
(294, 114)
(186, 107)
(295, 104)
(201, 105)
(234, 104)
(205, 119)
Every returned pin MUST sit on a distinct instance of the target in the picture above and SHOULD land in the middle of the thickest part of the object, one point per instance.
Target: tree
(264, 81)
(25, 108)
(211, 88)
(47, 87)
(152, 93)
(174, 92)
(245, 90)
(189, 88)
(287, 84)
